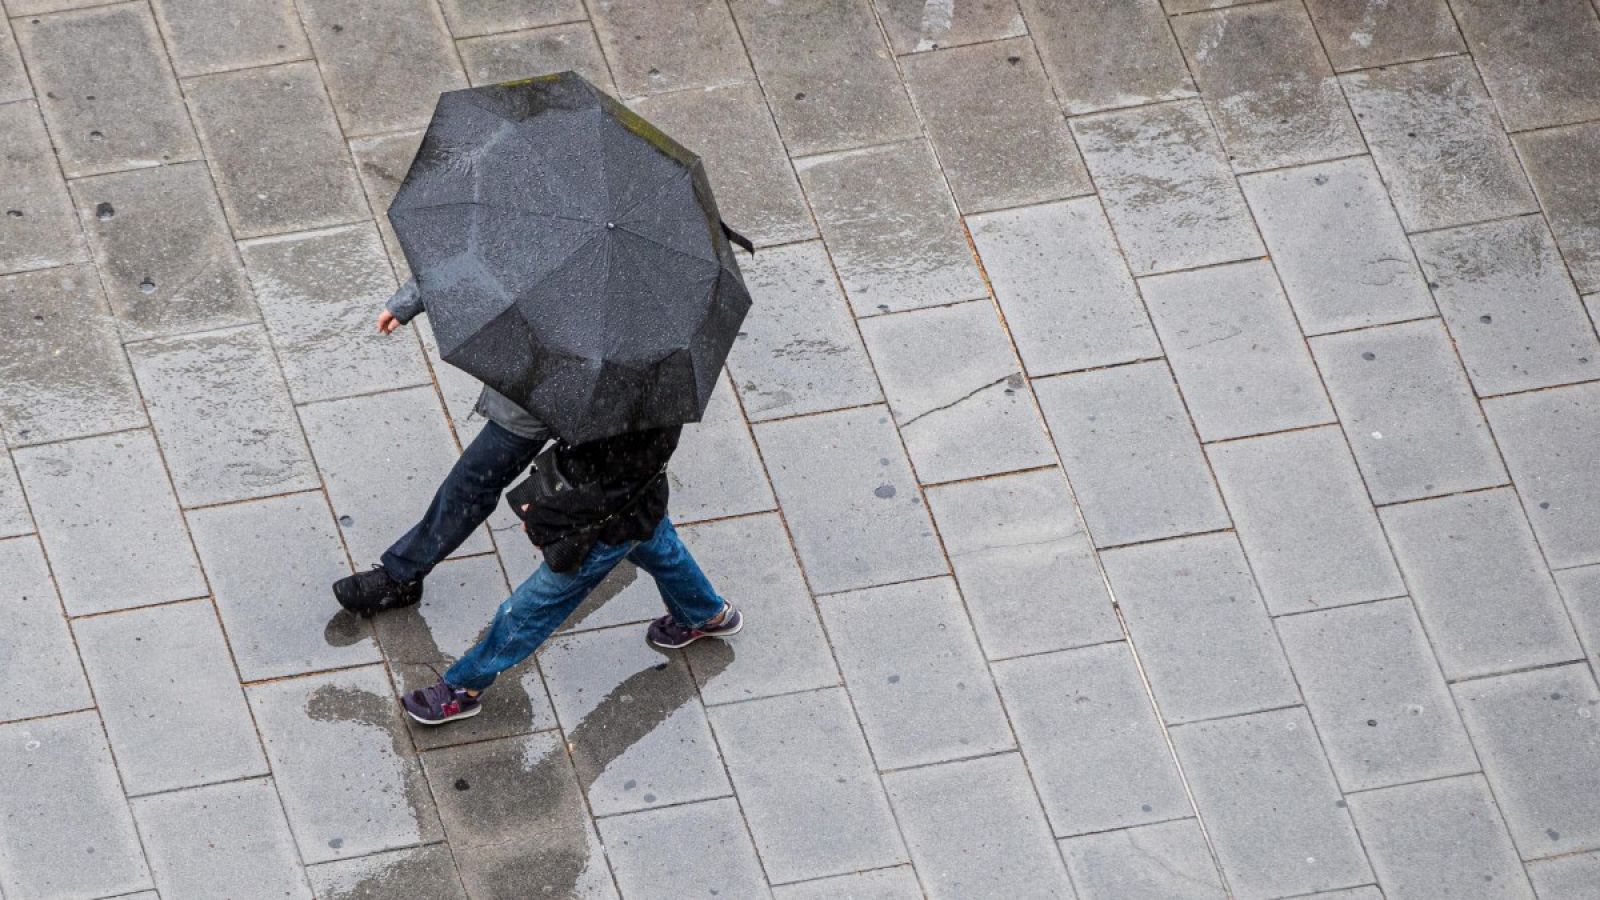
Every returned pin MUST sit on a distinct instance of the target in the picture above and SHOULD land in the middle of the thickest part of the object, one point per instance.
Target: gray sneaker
(668, 634)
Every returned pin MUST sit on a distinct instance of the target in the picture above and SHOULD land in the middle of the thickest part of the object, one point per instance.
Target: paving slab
(38, 227)
(1480, 584)
(1169, 861)
(14, 83)
(69, 832)
(732, 130)
(751, 562)
(375, 87)
(1190, 604)
(320, 295)
(891, 228)
(1408, 411)
(716, 471)
(1166, 186)
(1337, 245)
(899, 883)
(350, 782)
(498, 790)
(1539, 740)
(1270, 804)
(382, 456)
(1020, 554)
(1236, 350)
(64, 372)
(798, 351)
(1567, 878)
(1304, 518)
(1545, 436)
(1510, 305)
(654, 48)
(1376, 694)
(419, 871)
(228, 839)
(1092, 740)
(223, 416)
(1131, 453)
(1538, 61)
(1581, 589)
(537, 51)
(1373, 33)
(270, 564)
(14, 516)
(1436, 139)
(1268, 85)
(921, 687)
(829, 76)
(637, 732)
(472, 17)
(647, 850)
(564, 863)
(1136, 60)
(1443, 837)
(165, 255)
(458, 606)
(807, 785)
(913, 26)
(202, 733)
(974, 830)
(38, 646)
(995, 155)
(107, 89)
(846, 490)
(1559, 162)
(206, 36)
(106, 557)
(1063, 284)
(34, 7)
(382, 163)
(954, 384)
(274, 146)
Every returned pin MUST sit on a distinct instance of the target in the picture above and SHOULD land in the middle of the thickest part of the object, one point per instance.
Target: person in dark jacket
(503, 449)
(586, 506)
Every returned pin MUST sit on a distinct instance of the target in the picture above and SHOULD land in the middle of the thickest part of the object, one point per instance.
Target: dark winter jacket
(612, 490)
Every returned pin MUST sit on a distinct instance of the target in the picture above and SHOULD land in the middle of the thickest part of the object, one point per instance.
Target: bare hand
(387, 323)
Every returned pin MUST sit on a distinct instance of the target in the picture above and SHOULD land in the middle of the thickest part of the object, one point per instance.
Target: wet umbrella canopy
(570, 256)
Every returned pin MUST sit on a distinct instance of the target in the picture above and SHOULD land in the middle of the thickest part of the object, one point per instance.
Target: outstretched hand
(387, 323)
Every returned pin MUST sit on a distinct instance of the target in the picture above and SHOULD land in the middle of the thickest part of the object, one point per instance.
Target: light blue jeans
(539, 605)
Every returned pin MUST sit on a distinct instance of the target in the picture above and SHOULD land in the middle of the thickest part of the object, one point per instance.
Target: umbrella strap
(737, 238)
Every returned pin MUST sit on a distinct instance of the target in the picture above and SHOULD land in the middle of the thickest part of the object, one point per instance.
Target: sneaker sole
(466, 715)
(704, 634)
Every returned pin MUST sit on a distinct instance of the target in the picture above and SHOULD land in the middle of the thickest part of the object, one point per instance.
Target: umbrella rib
(486, 205)
(646, 238)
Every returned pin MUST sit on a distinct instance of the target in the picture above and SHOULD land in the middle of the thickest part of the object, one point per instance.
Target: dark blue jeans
(539, 605)
(464, 501)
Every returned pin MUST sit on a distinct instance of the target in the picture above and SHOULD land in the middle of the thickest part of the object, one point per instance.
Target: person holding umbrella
(570, 256)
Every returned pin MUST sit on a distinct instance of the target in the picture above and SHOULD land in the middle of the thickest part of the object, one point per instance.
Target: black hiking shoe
(667, 633)
(441, 703)
(371, 592)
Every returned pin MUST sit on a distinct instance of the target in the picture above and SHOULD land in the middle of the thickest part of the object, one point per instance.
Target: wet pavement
(1160, 461)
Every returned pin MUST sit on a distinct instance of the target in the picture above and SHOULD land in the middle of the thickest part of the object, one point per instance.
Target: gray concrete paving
(1160, 461)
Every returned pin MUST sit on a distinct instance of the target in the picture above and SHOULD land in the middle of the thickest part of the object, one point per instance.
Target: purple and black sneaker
(668, 634)
(441, 703)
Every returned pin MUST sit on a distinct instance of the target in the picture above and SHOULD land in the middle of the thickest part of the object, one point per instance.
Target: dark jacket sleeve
(406, 304)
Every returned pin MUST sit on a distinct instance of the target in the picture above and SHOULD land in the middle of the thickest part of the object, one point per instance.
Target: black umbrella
(570, 256)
